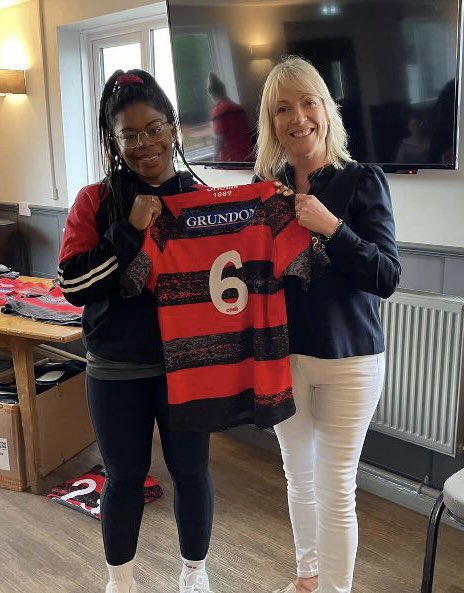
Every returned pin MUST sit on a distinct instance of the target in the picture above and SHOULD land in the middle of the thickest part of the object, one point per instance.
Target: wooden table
(19, 335)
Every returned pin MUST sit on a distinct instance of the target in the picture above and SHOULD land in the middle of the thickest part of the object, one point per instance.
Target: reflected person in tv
(415, 147)
(126, 382)
(336, 339)
(230, 125)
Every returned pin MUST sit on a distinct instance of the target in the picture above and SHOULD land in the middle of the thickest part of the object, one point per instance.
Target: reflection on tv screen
(391, 65)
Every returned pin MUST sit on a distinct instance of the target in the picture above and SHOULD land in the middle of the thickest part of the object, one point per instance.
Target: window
(424, 38)
(162, 59)
(145, 45)
(200, 50)
(124, 57)
(194, 60)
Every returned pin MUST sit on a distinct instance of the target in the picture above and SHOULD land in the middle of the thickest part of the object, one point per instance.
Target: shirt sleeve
(292, 243)
(289, 245)
(141, 271)
(90, 266)
(365, 251)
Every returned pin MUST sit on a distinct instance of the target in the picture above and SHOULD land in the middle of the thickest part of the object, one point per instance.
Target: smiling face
(151, 159)
(301, 125)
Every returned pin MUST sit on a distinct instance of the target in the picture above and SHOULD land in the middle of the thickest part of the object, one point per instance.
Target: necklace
(311, 178)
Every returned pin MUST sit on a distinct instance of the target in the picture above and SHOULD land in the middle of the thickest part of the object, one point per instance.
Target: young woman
(336, 337)
(126, 382)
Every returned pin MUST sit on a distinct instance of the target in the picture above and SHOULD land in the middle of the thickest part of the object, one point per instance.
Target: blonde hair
(294, 72)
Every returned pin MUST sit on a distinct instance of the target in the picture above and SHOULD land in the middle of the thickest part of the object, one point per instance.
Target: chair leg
(431, 545)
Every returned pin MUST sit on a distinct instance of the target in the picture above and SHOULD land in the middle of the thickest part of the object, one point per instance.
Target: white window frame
(92, 44)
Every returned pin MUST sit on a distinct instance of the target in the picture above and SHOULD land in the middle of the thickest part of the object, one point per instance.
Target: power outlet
(24, 209)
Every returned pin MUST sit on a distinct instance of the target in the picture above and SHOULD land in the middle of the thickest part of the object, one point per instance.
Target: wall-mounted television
(393, 66)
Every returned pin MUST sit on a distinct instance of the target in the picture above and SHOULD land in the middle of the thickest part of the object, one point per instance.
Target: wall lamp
(12, 82)
(261, 51)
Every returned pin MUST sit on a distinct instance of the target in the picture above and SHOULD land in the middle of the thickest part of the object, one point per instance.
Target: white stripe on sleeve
(92, 281)
(87, 275)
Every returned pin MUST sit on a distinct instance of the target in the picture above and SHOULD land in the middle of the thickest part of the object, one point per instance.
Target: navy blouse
(339, 315)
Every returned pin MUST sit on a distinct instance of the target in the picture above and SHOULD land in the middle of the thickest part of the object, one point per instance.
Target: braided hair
(123, 89)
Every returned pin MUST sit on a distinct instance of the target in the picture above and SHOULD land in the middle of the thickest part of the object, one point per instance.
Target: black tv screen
(392, 65)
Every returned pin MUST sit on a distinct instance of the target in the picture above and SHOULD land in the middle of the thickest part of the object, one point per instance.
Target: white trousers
(321, 446)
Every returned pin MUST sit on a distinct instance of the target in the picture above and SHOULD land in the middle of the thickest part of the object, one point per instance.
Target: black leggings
(123, 414)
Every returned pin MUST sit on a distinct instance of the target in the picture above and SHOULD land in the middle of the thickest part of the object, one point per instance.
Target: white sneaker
(116, 588)
(194, 589)
(200, 586)
(291, 589)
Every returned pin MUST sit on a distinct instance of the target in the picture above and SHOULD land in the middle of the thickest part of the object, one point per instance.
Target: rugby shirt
(215, 259)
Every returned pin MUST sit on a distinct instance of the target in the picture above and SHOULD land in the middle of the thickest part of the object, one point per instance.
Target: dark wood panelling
(453, 276)
(433, 268)
(11, 253)
(422, 272)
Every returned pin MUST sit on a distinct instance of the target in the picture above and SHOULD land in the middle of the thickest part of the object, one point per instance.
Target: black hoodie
(94, 255)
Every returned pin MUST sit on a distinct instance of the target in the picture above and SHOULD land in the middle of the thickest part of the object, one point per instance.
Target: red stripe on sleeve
(288, 245)
(80, 233)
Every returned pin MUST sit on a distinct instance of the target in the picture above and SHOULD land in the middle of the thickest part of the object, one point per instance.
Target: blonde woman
(336, 338)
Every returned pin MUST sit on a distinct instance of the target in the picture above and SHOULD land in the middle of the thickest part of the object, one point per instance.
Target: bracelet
(338, 228)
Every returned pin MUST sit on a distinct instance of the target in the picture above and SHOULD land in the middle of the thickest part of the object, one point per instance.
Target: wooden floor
(48, 548)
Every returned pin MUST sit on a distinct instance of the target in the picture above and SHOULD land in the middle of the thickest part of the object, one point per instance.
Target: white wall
(24, 140)
(429, 206)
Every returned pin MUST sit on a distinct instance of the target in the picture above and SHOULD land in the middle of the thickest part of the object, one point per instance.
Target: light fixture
(12, 82)
(261, 51)
(330, 9)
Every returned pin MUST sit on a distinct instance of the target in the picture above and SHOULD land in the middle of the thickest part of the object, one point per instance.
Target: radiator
(422, 399)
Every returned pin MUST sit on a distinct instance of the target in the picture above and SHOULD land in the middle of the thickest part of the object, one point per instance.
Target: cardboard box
(12, 461)
(64, 430)
(64, 423)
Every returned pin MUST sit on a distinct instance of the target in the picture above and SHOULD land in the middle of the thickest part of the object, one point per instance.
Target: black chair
(451, 499)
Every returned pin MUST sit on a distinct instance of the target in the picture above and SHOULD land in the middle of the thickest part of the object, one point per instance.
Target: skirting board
(400, 490)
(386, 485)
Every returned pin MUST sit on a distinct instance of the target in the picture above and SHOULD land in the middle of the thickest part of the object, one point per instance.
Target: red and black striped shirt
(216, 258)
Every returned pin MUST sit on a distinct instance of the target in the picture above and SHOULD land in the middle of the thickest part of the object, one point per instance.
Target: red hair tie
(126, 79)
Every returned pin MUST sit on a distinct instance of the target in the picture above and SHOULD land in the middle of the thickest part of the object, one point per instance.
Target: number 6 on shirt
(217, 285)
(224, 372)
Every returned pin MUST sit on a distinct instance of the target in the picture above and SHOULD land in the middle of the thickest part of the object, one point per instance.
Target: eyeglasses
(132, 139)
